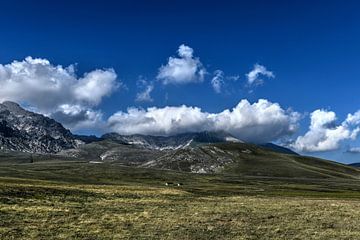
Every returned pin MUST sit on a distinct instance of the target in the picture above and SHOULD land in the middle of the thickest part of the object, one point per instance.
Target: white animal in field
(171, 183)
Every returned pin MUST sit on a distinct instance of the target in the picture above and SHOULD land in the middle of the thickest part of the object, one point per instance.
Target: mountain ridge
(173, 141)
(357, 164)
(25, 131)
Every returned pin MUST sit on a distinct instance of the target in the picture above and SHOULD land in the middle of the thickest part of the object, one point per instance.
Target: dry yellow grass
(47, 210)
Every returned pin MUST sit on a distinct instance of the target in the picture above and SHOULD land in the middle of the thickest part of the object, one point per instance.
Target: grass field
(100, 201)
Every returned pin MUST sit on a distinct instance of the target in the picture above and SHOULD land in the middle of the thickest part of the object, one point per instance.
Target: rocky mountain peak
(22, 130)
(12, 107)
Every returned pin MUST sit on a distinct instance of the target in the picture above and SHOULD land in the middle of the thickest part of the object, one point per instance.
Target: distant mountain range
(26, 137)
(25, 131)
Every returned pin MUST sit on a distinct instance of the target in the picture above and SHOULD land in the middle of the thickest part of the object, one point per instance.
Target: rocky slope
(172, 142)
(25, 131)
(222, 157)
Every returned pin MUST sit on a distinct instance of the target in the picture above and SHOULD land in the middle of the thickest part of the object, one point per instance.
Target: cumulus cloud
(253, 77)
(261, 121)
(325, 134)
(55, 90)
(217, 81)
(78, 117)
(145, 94)
(183, 69)
(353, 119)
(95, 85)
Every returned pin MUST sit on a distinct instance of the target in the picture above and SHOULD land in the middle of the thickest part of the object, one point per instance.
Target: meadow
(78, 200)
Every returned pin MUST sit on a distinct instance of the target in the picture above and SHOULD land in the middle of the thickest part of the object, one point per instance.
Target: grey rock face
(25, 131)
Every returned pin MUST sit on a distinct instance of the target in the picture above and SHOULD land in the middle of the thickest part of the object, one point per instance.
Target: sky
(265, 71)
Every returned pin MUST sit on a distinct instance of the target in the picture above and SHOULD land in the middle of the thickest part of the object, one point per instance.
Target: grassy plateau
(80, 200)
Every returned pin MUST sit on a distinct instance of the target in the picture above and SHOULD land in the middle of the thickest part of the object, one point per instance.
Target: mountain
(87, 139)
(278, 148)
(355, 164)
(231, 158)
(25, 137)
(171, 142)
(183, 140)
(25, 131)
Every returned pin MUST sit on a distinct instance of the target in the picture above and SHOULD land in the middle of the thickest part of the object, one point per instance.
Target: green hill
(224, 158)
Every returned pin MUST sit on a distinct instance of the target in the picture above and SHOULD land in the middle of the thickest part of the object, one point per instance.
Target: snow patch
(232, 139)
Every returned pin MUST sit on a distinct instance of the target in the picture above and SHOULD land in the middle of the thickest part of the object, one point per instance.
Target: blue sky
(312, 50)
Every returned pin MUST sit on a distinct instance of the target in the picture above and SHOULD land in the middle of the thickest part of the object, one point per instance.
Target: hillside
(225, 158)
(172, 142)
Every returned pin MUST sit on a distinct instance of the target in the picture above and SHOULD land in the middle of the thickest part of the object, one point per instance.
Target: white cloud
(353, 119)
(220, 82)
(78, 117)
(253, 77)
(217, 81)
(262, 121)
(54, 89)
(145, 94)
(182, 70)
(233, 78)
(354, 150)
(185, 51)
(324, 134)
(95, 85)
